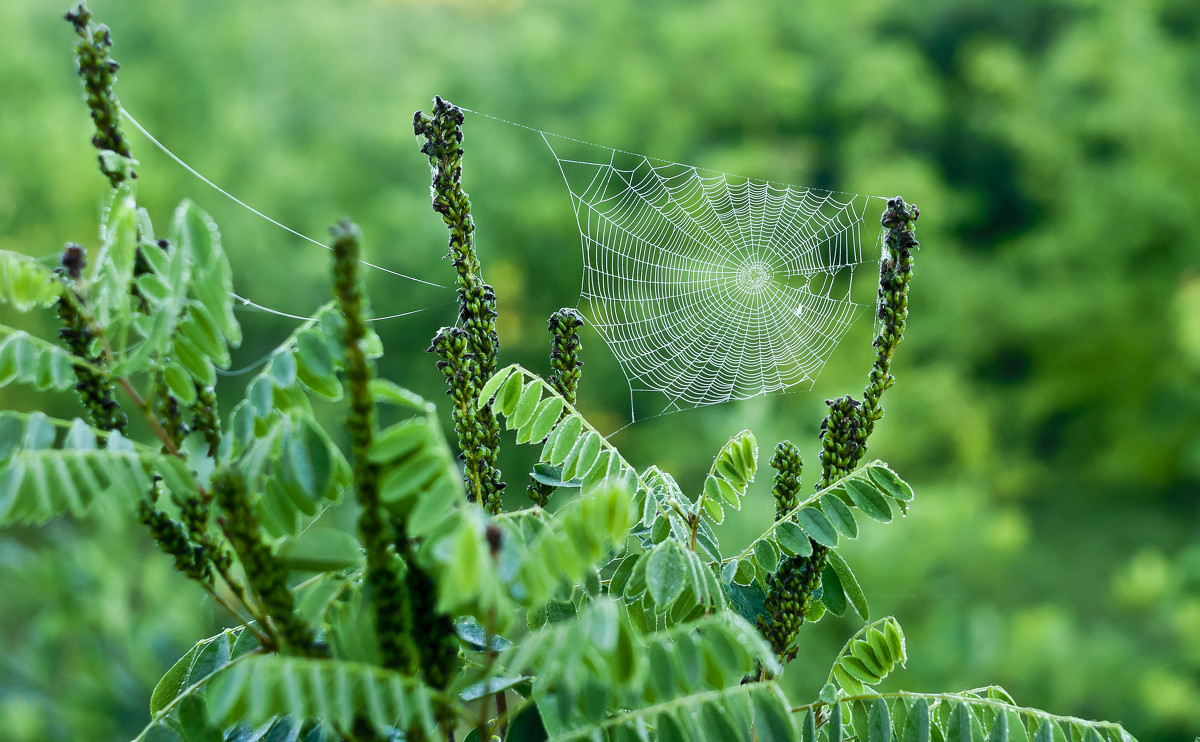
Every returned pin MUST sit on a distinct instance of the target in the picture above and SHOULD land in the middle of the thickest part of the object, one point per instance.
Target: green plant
(617, 616)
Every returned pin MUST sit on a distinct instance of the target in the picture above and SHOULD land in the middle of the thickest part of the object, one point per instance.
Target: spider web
(709, 287)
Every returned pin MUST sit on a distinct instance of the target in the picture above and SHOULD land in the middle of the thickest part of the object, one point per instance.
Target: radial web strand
(710, 287)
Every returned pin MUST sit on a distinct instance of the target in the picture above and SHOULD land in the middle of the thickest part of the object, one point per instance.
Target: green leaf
(766, 555)
(42, 478)
(866, 655)
(735, 466)
(552, 476)
(26, 359)
(868, 499)
(25, 283)
(744, 575)
(110, 273)
(958, 726)
(713, 510)
(817, 526)
(189, 674)
(544, 419)
(400, 440)
(669, 729)
(315, 361)
(527, 404)
(999, 731)
(173, 682)
(889, 481)
(320, 550)
(493, 384)
(584, 455)
(832, 593)
(335, 691)
(191, 358)
(916, 725)
(895, 639)
(527, 726)
(792, 540)
(666, 573)
(772, 718)
(194, 233)
(509, 395)
(389, 392)
(849, 584)
(839, 514)
(879, 724)
(835, 723)
(566, 436)
(180, 383)
(300, 470)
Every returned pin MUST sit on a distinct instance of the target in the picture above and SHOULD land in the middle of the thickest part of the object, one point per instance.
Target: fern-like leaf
(25, 283)
(979, 714)
(50, 467)
(731, 473)
(335, 691)
(824, 517)
(26, 359)
(868, 657)
(599, 674)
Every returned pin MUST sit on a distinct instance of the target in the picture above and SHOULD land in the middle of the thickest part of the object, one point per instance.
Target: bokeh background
(1048, 404)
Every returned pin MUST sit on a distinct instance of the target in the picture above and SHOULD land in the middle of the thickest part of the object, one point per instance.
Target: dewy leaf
(832, 594)
(999, 731)
(879, 724)
(792, 540)
(566, 436)
(916, 725)
(835, 723)
(839, 514)
(816, 525)
(30, 360)
(666, 573)
(400, 440)
(766, 555)
(889, 481)
(383, 390)
(850, 585)
(868, 499)
(195, 233)
(173, 682)
(958, 726)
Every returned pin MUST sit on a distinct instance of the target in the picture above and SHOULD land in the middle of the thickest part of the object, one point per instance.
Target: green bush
(381, 593)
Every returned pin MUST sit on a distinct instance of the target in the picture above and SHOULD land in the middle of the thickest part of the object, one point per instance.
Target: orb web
(709, 287)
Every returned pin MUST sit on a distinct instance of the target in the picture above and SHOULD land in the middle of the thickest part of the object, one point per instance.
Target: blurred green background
(1048, 404)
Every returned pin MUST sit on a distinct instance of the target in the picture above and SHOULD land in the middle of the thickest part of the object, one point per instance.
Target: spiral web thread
(709, 287)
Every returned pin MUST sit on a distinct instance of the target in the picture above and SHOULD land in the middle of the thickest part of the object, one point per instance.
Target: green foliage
(52, 467)
(820, 518)
(336, 692)
(979, 714)
(26, 284)
(868, 657)
(25, 359)
(616, 616)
